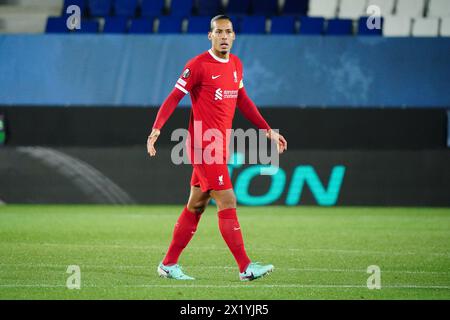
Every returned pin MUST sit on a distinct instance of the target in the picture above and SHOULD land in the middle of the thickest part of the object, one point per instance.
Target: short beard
(224, 52)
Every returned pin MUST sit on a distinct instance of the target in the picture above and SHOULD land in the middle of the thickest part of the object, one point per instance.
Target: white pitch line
(149, 267)
(245, 286)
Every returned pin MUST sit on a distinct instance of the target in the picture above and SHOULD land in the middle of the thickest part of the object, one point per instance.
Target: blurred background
(360, 88)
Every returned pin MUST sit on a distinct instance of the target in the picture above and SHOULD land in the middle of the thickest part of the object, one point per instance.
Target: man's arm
(251, 112)
(164, 113)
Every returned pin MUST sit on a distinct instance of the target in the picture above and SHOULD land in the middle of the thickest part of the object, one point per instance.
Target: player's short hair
(219, 17)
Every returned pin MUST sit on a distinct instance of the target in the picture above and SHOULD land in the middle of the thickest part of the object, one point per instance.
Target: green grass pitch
(318, 253)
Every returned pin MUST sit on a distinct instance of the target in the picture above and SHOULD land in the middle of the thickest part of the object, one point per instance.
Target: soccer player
(214, 81)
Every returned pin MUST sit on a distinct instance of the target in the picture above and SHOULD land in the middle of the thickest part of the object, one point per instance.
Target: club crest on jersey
(186, 73)
(235, 77)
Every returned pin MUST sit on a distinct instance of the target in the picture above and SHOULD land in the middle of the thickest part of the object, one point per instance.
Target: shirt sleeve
(189, 77)
(167, 108)
(250, 111)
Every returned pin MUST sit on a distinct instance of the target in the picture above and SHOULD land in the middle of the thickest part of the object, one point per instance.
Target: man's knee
(198, 206)
(226, 202)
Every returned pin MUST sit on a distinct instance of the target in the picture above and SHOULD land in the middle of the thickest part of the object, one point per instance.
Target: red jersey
(216, 86)
(213, 84)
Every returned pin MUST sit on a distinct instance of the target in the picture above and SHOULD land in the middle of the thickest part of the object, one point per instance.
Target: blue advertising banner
(284, 71)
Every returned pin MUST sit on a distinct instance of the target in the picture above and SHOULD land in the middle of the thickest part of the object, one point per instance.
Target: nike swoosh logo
(235, 229)
(215, 77)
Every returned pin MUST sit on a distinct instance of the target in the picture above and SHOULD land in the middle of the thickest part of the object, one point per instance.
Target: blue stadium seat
(209, 7)
(283, 25)
(141, 25)
(80, 3)
(265, 7)
(115, 25)
(236, 20)
(340, 27)
(181, 8)
(100, 8)
(311, 25)
(56, 25)
(295, 7)
(253, 25)
(363, 30)
(88, 26)
(198, 25)
(238, 7)
(152, 8)
(169, 24)
(126, 8)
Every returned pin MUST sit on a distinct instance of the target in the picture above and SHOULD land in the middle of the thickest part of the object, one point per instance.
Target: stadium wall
(126, 175)
(285, 71)
(306, 128)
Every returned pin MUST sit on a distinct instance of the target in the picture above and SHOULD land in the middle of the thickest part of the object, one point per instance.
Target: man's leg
(186, 225)
(229, 226)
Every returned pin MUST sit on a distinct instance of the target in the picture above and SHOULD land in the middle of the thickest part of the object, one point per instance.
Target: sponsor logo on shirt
(218, 95)
(225, 94)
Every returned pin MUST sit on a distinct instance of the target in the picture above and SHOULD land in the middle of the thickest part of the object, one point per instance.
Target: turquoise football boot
(172, 272)
(255, 270)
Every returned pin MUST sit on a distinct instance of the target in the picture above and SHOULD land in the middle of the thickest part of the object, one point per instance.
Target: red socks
(229, 228)
(231, 233)
(183, 232)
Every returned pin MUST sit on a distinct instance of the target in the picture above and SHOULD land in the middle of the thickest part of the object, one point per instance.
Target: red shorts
(211, 177)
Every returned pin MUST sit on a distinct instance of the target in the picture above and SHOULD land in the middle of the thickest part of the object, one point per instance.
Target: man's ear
(209, 35)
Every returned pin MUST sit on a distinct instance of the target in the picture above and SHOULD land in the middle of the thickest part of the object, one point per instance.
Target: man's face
(222, 36)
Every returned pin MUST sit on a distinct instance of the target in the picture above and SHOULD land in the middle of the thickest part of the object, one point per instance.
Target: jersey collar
(217, 58)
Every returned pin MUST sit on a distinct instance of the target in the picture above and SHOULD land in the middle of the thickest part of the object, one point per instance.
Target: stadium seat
(236, 20)
(340, 27)
(295, 7)
(181, 8)
(312, 25)
(425, 27)
(282, 25)
(396, 26)
(100, 8)
(88, 26)
(198, 25)
(141, 26)
(264, 7)
(80, 3)
(352, 9)
(323, 8)
(386, 6)
(56, 25)
(209, 8)
(445, 28)
(238, 7)
(169, 24)
(115, 25)
(152, 8)
(126, 8)
(410, 8)
(363, 30)
(439, 8)
(253, 25)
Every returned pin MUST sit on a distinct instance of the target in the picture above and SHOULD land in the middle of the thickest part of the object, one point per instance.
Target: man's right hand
(151, 142)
